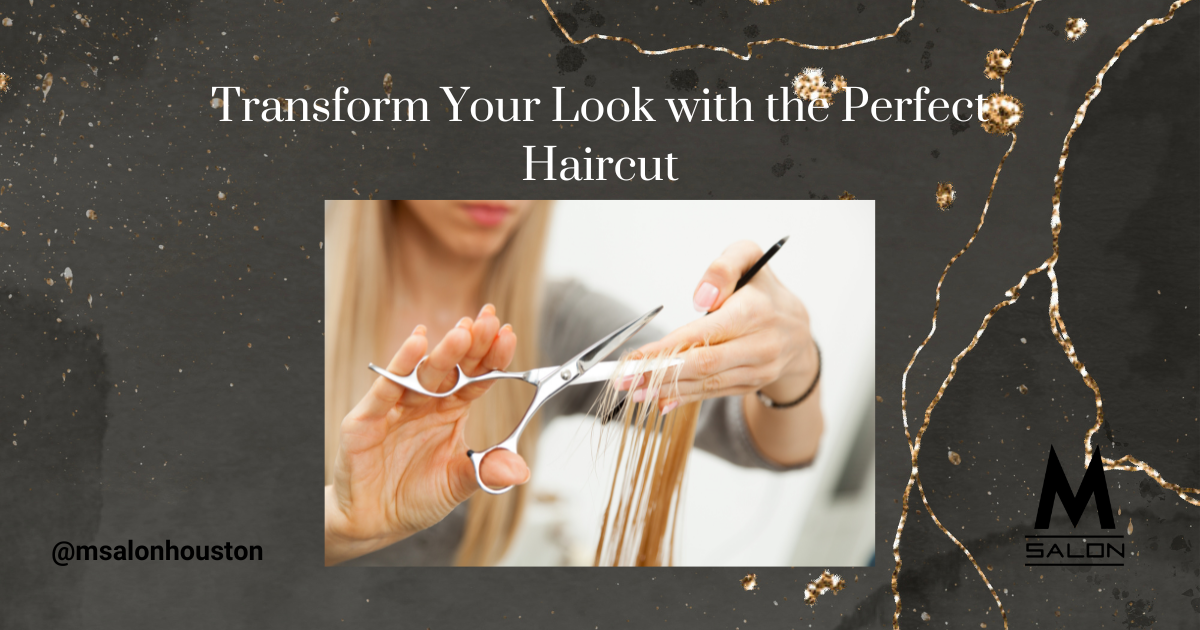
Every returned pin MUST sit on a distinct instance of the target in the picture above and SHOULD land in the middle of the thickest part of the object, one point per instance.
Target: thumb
(721, 277)
(499, 469)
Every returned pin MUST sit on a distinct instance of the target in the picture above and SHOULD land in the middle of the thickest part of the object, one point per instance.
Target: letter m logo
(1056, 483)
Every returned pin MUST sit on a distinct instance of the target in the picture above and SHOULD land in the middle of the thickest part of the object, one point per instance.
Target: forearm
(340, 547)
(788, 437)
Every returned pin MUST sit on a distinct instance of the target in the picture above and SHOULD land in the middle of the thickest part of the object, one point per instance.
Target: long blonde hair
(361, 290)
(646, 495)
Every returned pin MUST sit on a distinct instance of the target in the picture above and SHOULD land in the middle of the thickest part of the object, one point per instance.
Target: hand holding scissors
(586, 367)
(401, 464)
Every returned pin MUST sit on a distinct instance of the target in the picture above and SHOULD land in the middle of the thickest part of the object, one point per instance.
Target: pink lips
(487, 215)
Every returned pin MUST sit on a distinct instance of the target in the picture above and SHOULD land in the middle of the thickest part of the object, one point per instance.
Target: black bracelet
(771, 404)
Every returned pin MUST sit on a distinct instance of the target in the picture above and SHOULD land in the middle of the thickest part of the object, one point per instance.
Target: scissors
(588, 366)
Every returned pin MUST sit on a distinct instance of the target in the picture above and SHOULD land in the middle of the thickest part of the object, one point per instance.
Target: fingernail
(705, 297)
(528, 476)
(669, 407)
(419, 330)
(464, 322)
(487, 309)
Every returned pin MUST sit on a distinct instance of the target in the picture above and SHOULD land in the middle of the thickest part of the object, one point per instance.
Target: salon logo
(1074, 549)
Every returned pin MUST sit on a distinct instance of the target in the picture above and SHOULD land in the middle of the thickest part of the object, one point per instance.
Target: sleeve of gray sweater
(574, 317)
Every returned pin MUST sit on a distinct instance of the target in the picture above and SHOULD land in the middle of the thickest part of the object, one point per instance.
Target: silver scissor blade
(604, 371)
(601, 349)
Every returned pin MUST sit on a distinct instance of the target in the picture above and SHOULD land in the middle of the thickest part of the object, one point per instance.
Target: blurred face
(471, 229)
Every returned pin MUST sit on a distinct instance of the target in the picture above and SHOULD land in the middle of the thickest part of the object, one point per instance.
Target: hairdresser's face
(471, 229)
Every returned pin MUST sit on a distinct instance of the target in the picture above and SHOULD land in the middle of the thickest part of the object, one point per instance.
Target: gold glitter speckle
(954, 458)
(749, 582)
(1001, 113)
(1075, 28)
(998, 63)
(387, 84)
(945, 195)
(809, 85)
(823, 584)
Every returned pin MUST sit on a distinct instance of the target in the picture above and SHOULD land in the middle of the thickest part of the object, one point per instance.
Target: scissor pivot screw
(566, 375)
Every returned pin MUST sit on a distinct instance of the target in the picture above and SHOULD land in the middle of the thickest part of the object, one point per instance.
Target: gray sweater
(572, 319)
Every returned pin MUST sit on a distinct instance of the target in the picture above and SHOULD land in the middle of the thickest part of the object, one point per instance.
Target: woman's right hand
(402, 464)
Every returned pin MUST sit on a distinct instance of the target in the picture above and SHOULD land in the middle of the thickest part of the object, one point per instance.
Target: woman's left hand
(755, 339)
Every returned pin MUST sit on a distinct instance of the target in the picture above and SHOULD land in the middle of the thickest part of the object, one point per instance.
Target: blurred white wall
(732, 516)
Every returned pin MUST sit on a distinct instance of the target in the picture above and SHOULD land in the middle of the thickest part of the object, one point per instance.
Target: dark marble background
(191, 408)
